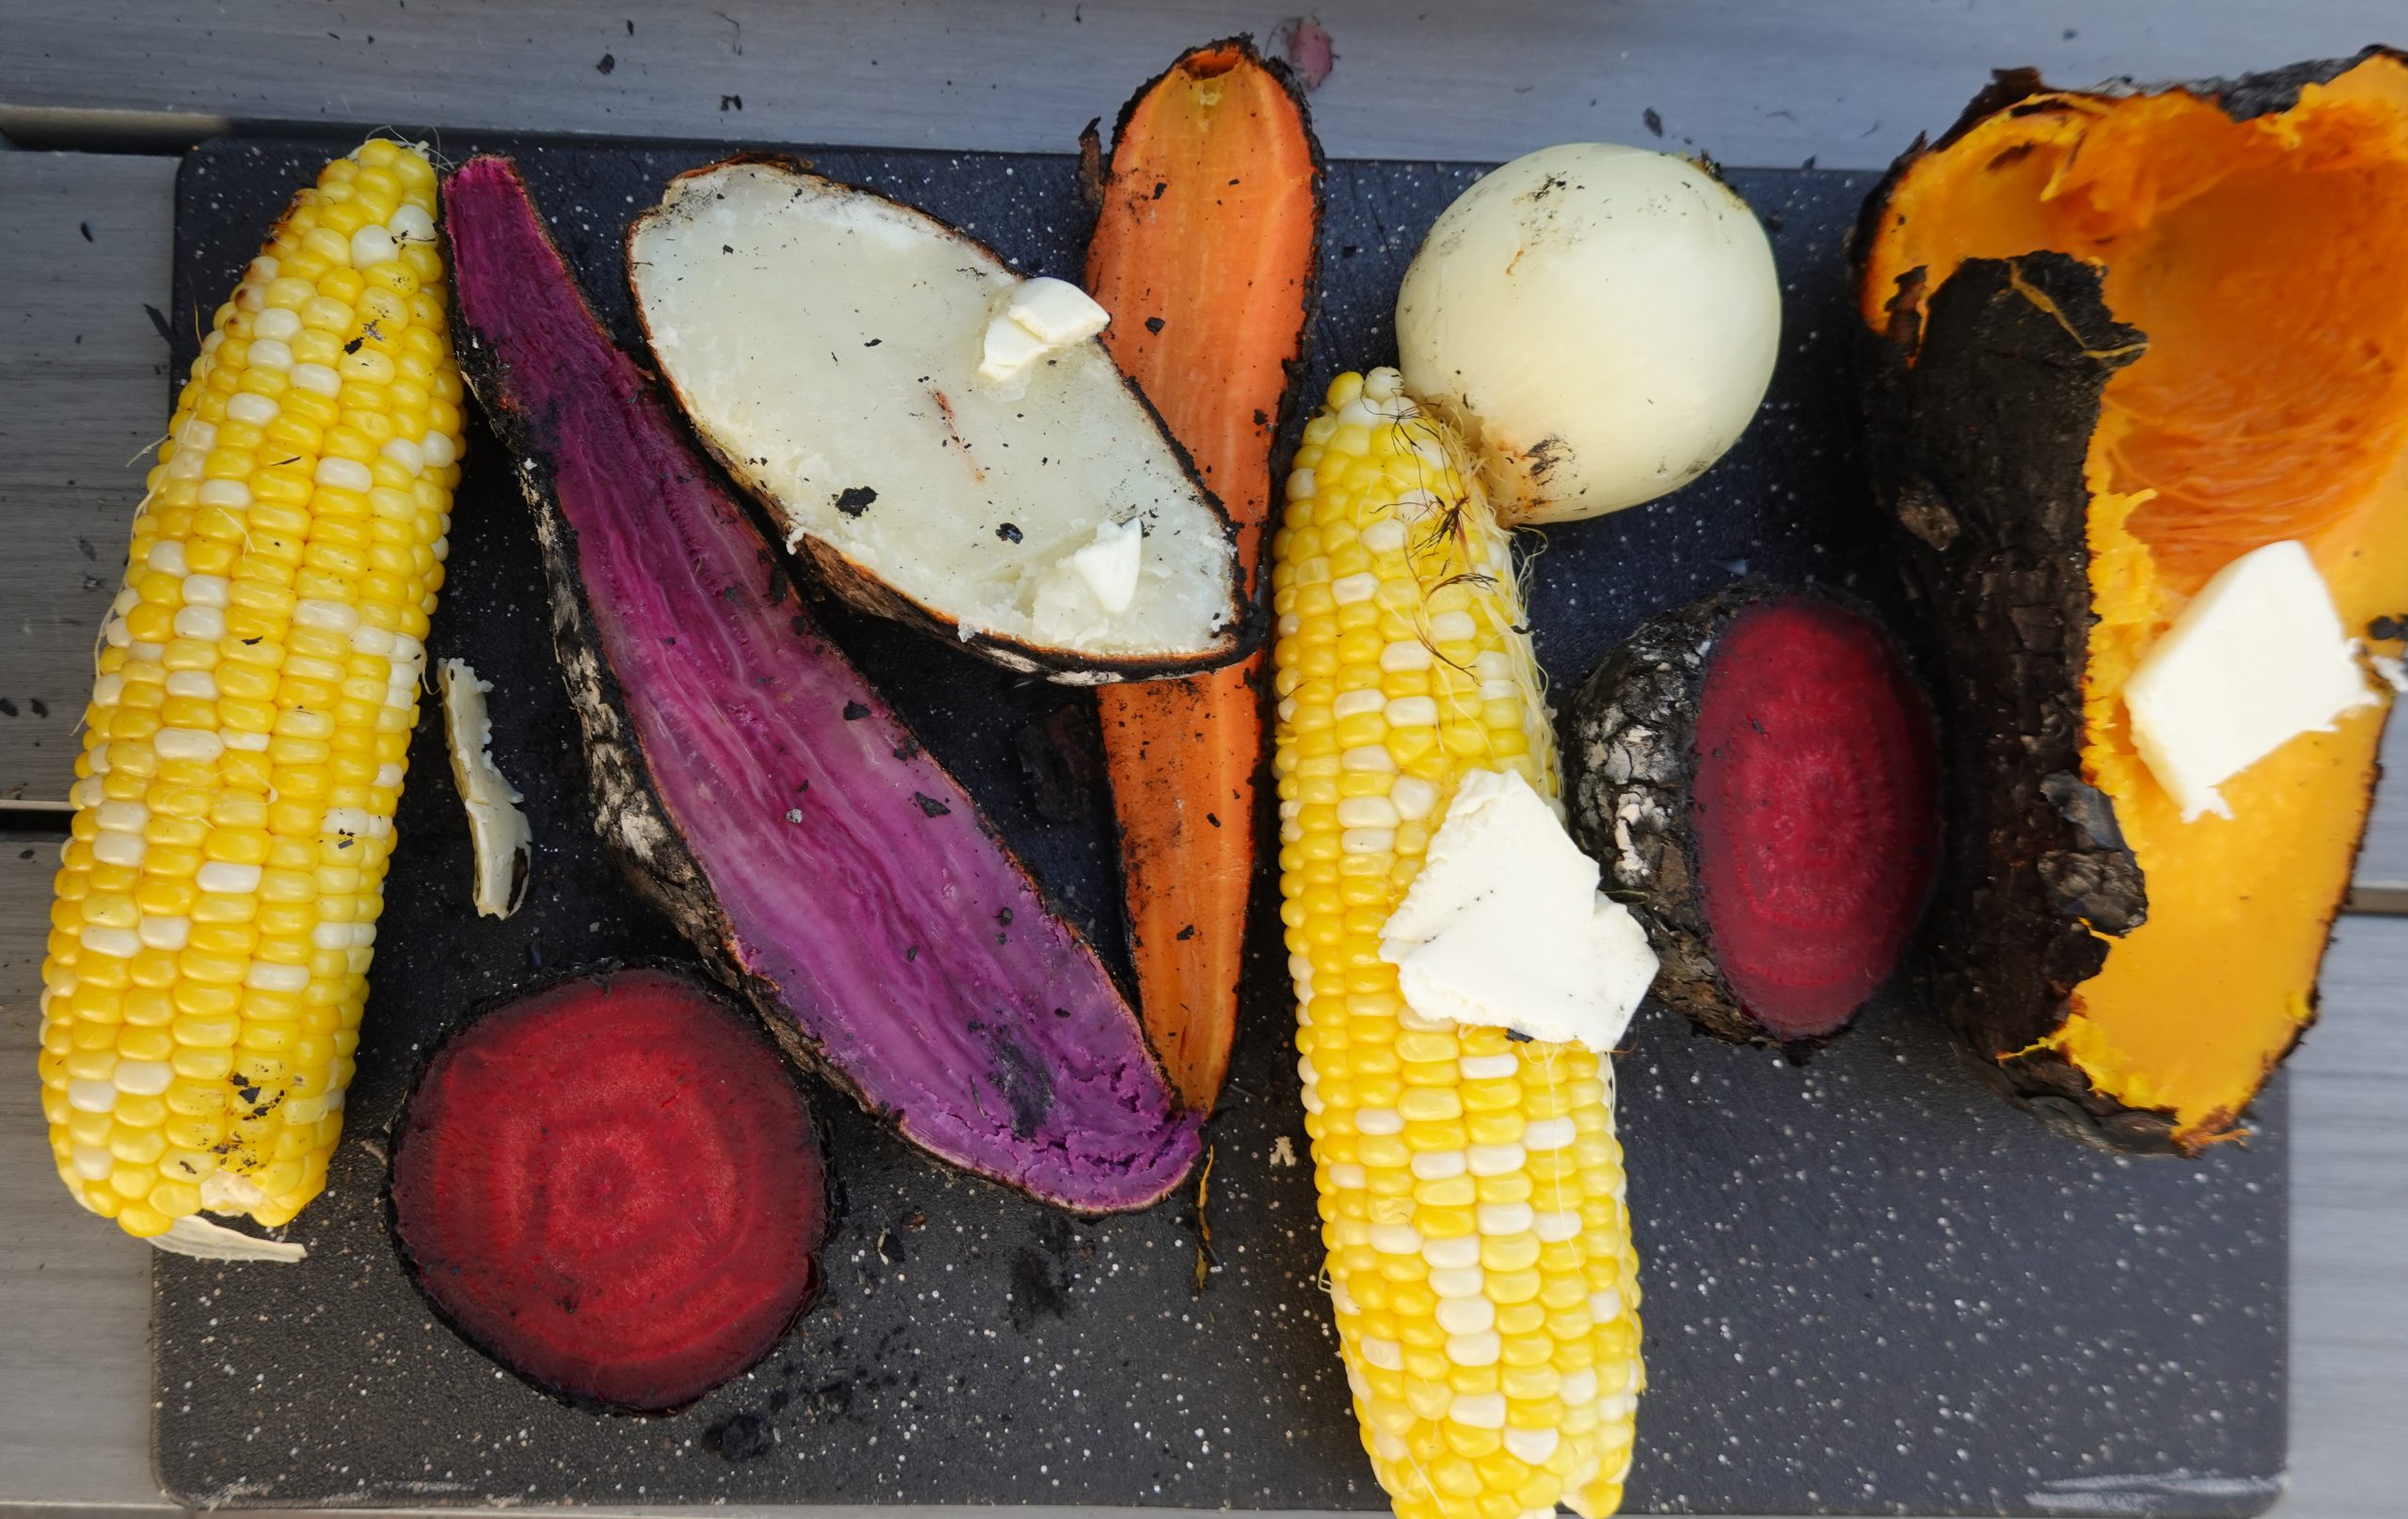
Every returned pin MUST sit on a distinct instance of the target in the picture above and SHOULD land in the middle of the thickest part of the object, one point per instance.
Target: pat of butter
(498, 831)
(1505, 926)
(2259, 657)
(1109, 565)
(1081, 592)
(1036, 319)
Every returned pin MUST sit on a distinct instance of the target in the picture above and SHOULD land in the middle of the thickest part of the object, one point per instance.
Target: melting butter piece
(1505, 926)
(1037, 318)
(498, 831)
(1109, 564)
(1085, 589)
(2259, 657)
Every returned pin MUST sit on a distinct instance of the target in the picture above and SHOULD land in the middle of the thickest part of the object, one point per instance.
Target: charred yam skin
(1633, 740)
(821, 861)
(2112, 341)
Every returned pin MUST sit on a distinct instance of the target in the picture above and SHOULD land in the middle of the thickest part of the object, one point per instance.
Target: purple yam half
(758, 788)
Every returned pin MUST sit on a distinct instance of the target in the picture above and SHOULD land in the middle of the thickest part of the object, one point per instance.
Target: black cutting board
(1870, 1285)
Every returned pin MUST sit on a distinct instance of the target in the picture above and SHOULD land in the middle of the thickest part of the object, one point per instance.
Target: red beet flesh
(613, 1187)
(1814, 811)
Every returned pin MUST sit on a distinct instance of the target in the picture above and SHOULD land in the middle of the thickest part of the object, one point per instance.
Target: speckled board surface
(1871, 1287)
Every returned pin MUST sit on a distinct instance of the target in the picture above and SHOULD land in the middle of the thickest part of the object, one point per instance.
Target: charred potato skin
(848, 581)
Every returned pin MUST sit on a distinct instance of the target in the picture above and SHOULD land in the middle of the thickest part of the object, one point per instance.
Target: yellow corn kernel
(1396, 634)
(223, 718)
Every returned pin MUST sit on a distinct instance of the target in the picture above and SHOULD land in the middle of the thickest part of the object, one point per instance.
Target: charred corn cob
(1471, 1186)
(258, 681)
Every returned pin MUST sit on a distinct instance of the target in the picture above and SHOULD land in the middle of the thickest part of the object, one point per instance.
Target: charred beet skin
(1757, 773)
(612, 1186)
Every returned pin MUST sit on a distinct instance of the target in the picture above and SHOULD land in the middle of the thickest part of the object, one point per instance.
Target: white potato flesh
(826, 343)
(1600, 322)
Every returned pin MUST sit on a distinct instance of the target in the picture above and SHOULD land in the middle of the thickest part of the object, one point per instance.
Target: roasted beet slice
(761, 792)
(612, 1186)
(1758, 772)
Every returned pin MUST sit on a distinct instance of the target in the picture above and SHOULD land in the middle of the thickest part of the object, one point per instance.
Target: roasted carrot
(1205, 253)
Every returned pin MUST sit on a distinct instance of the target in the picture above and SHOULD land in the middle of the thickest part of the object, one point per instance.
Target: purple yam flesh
(763, 793)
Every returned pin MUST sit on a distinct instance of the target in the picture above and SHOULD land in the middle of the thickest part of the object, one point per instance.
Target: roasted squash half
(2118, 339)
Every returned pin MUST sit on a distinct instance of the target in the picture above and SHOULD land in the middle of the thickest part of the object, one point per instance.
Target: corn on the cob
(258, 681)
(1471, 1186)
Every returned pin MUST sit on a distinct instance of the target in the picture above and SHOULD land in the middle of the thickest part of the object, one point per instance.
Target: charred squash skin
(1206, 252)
(1993, 517)
(1994, 425)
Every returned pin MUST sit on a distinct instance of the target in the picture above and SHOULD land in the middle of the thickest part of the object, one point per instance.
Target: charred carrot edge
(1206, 251)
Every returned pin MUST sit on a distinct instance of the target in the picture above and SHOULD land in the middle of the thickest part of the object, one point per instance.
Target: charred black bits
(1260, 419)
(1160, 185)
(731, 102)
(1028, 1086)
(8, 708)
(606, 65)
(1007, 532)
(1517, 1036)
(873, 342)
(1213, 818)
(1654, 121)
(1062, 755)
(1153, 324)
(855, 711)
(908, 748)
(739, 1437)
(1061, 1012)
(1035, 1289)
(929, 806)
(85, 228)
(1187, 933)
(854, 501)
(1005, 917)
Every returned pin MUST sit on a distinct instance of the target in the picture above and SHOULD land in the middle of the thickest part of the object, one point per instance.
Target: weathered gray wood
(1848, 81)
(74, 1293)
(2350, 1232)
(82, 382)
(2382, 864)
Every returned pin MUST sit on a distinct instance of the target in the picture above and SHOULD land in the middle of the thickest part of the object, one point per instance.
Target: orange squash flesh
(2263, 259)
(1204, 252)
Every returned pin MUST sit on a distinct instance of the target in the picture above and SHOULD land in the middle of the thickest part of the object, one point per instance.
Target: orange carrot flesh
(1205, 252)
